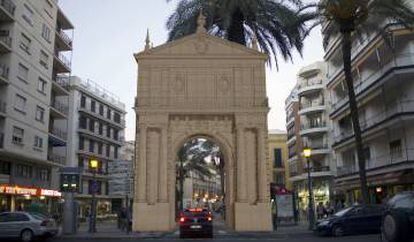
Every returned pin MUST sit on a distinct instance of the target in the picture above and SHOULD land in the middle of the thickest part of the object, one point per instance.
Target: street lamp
(93, 164)
(307, 151)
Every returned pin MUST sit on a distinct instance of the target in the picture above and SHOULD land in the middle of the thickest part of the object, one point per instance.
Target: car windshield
(38, 216)
(343, 212)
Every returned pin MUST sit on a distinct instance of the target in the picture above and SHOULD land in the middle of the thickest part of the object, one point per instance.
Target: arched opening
(201, 176)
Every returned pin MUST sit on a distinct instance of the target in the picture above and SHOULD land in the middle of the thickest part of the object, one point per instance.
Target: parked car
(353, 220)
(398, 218)
(196, 222)
(26, 226)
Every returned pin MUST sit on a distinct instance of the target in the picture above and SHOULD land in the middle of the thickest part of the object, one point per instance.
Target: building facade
(34, 51)
(384, 87)
(312, 108)
(96, 128)
(277, 160)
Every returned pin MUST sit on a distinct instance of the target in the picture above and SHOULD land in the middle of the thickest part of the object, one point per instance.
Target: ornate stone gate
(201, 85)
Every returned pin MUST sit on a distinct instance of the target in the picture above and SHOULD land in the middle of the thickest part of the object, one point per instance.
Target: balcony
(7, 9)
(317, 105)
(121, 124)
(5, 42)
(63, 41)
(102, 137)
(291, 139)
(312, 128)
(308, 87)
(59, 110)
(393, 110)
(320, 149)
(58, 159)
(362, 85)
(57, 137)
(60, 85)
(3, 108)
(60, 63)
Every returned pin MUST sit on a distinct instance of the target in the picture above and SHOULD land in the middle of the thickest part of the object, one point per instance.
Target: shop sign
(16, 190)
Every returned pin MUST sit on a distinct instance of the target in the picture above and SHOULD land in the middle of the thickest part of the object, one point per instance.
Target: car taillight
(182, 220)
(44, 223)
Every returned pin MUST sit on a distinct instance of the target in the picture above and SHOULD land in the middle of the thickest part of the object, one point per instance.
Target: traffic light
(69, 182)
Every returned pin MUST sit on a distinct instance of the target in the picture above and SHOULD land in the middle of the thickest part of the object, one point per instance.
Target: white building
(34, 52)
(384, 86)
(96, 128)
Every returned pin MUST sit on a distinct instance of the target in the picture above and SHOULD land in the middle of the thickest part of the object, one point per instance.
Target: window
(100, 148)
(24, 171)
(38, 142)
(46, 33)
(41, 85)
(27, 14)
(116, 134)
(395, 149)
(17, 136)
(100, 129)
(81, 143)
(83, 101)
(278, 158)
(367, 157)
(44, 174)
(82, 122)
(108, 114)
(5, 167)
(108, 131)
(91, 125)
(48, 8)
(44, 59)
(91, 146)
(25, 43)
(116, 152)
(117, 118)
(93, 103)
(20, 103)
(101, 109)
(40, 114)
(23, 73)
(108, 150)
(278, 178)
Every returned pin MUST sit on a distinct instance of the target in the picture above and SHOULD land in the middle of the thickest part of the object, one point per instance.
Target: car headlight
(324, 223)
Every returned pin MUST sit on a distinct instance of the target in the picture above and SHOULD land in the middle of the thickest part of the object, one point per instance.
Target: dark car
(352, 220)
(196, 222)
(398, 218)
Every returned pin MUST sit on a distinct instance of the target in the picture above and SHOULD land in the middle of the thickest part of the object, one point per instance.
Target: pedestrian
(320, 210)
(274, 215)
(123, 219)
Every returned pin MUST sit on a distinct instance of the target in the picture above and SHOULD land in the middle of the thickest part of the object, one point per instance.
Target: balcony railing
(318, 169)
(400, 106)
(63, 81)
(65, 37)
(9, 6)
(3, 106)
(306, 126)
(60, 159)
(313, 103)
(63, 59)
(1, 140)
(59, 133)
(4, 71)
(361, 85)
(63, 108)
(309, 83)
(7, 40)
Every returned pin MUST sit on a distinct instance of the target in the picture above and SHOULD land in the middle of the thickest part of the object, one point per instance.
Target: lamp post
(93, 164)
(311, 213)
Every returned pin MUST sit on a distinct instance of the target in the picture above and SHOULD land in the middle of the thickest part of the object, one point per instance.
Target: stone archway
(201, 85)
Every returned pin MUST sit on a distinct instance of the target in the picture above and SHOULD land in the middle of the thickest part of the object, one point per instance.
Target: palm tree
(277, 25)
(351, 18)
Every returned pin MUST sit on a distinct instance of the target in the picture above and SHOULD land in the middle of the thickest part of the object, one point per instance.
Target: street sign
(69, 182)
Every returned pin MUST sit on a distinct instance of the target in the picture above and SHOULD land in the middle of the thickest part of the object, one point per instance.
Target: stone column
(141, 189)
(262, 169)
(163, 176)
(241, 167)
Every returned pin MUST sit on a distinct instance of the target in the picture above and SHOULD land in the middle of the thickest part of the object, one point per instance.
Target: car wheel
(338, 231)
(26, 235)
(394, 228)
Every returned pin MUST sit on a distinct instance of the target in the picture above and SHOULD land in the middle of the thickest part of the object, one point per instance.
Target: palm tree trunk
(236, 29)
(181, 186)
(346, 55)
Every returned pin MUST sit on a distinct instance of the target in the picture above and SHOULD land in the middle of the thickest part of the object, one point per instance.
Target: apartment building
(96, 128)
(384, 87)
(278, 155)
(34, 50)
(121, 175)
(311, 106)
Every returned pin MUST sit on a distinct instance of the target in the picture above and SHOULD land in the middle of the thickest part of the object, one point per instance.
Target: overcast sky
(108, 32)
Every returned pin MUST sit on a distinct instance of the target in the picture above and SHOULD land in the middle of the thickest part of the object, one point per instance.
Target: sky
(108, 32)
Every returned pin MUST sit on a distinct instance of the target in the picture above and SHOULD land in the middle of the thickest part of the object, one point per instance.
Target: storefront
(321, 194)
(103, 207)
(17, 198)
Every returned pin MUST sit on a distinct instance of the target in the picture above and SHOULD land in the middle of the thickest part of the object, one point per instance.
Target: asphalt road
(289, 238)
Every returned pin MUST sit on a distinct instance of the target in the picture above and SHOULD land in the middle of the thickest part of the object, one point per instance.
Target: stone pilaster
(241, 167)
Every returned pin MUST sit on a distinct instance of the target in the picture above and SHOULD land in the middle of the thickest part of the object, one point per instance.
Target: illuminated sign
(16, 190)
